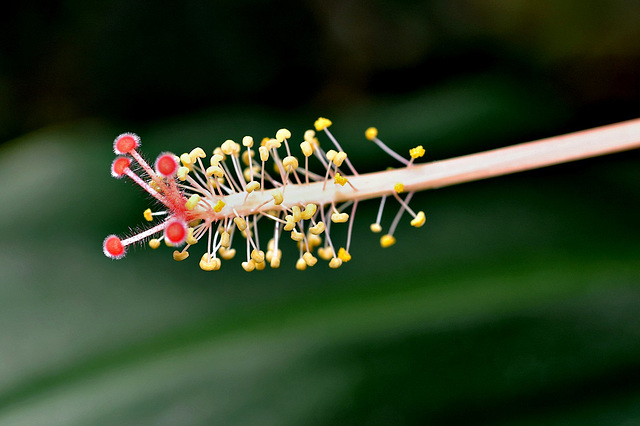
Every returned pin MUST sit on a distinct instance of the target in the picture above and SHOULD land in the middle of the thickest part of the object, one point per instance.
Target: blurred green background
(517, 303)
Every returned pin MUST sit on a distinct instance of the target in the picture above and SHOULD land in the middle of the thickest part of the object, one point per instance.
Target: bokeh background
(516, 304)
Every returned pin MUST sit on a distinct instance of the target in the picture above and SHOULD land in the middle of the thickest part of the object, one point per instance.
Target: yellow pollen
(249, 265)
(290, 163)
(215, 171)
(253, 186)
(240, 223)
(317, 229)
(192, 202)
(296, 213)
(416, 152)
(387, 240)
(182, 173)
(219, 206)
(339, 158)
(208, 263)
(273, 144)
(339, 179)
(283, 134)
(309, 135)
(247, 141)
(301, 265)
(191, 240)
(277, 197)
(225, 239)
(275, 262)
(154, 243)
(180, 255)
(307, 149)
(216, 159)
(325, 253)
(371, 133)
(245, 157)
(186, 161)
(197, 153)
(335, 263)
(309, 259)
(297, 236)
(257, 256)
(339, 217)
(291, 224)
(331, 154)
(226, 253)
(419, 220)
(344, 255)
(218, 151)
(229, 147)
(264, 153)
(147, 215)
(375, 227)
(398, 187)
(309, 211)
(322, 123)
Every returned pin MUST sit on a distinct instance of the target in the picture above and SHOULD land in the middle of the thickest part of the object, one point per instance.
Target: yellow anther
(197, 153)
(325, 253)
(219, 206)
(229, 147)
(331, 154)
(335, 263)
(283, 134)
(180, 255)
(271, 254)
(260, 266)
(147, 215)
(247, 141)
(182, 173)
(371, 133)
(209, 263)
(218, 151)
(240, 223)
(339, 158)
(214, 171)
(264, 153)
(339, 217)
(375, 227)
(271, 244)
(309, 259)
(192, 202)
(344, 255)
(216, 159)
(257, 256)
(419, 220)
(291, 224)
(307, 149)
(416, 152)
(245, 157)
(153, 184)
(317, 229)
(154, 243)
(309, 211)
(225, 239)
(313, 240)
(309, 135)
(301, 265)
(249, 265)
(275, 262)
(387, 240)
(226, 253)
(191, 240)
(290, 163)
(296, 213)
(398, 187)
(253, 186)
(186, 160)
(273, 144)
(339, 179)
(322, 123)
(297, 236)
(277, 197)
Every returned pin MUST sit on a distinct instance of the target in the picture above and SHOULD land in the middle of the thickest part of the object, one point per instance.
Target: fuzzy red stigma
(175, 232)
(119, 165)
(125, 143)
(166, 164)
(113, 247)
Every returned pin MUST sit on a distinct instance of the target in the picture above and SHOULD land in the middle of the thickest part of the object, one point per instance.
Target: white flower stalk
(237, 187)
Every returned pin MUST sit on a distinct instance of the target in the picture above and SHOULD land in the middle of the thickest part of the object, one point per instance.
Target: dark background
(515, 304)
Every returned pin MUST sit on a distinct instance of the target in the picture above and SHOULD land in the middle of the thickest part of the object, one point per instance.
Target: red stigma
(166, 165)
(119, 165)
(175, 232)
(113, 247)
(126, 143)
